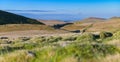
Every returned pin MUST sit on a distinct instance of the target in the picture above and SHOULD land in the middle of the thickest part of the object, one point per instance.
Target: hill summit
(10, 18)
(115, 17)
(93, 19)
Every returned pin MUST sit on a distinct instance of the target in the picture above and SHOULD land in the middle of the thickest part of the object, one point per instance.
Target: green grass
(79, 48)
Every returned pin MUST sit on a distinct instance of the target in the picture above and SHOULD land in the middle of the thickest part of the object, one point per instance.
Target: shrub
(45, 55)
(38, 39)
(87, 51)
(86, 37)
(17, 46)
(17, 56)
(116, 35)
(70, 38)
(29, 46)
(97, 36)
(53, 39)
(24, 38)
(104, 35)
(5, 42)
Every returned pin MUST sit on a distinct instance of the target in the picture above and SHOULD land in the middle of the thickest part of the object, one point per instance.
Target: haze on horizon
(62, 9)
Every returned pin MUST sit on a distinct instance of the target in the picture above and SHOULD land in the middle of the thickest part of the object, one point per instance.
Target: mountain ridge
(11, 18)
(91, 20)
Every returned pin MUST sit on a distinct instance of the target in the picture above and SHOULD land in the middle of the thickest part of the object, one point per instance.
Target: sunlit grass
(76, 48)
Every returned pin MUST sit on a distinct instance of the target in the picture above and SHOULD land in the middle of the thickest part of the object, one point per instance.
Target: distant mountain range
(10, 18)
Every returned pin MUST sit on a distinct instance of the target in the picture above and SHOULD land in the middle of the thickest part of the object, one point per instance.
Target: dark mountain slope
(10, 18)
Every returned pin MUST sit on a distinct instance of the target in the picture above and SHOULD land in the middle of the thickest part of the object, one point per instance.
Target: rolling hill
(80, 25)
(10, 22)
(115, 17)
(52, 22)
(91, 20)
(10, 18)
(112, 24)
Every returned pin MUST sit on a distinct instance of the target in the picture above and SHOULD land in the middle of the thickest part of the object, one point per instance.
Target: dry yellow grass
(52, 22)
(22, 27)
(17, 56)
(76, 26)
(111, 58)
(108, 25)
(70, 59)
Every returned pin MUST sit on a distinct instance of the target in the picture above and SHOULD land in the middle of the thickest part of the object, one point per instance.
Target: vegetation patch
(79, 48)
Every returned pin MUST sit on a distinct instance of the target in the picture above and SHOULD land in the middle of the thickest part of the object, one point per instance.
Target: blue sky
(81, 8)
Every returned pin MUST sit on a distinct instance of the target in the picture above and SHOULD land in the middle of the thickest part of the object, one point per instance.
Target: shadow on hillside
(59, 26)
(75, 31)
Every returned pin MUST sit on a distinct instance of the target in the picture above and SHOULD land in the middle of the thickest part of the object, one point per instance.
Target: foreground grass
(75, 48)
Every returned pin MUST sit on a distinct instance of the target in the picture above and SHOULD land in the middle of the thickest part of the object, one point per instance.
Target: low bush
(5, 41)
(24, 38)
(53, 39)
(104, 35)
(116, 35)
(87, 51)
(29, 46)
(70, 38)
(86, 37)
(38, 39)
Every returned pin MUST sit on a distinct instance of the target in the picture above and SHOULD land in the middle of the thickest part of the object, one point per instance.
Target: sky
(63, 9)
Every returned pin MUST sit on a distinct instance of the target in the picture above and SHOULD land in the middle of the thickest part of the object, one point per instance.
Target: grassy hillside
(91, 20)
(83, 24)
(10, 18)
(75, 26)
(52, 22)
(23, 27)
(111, 24)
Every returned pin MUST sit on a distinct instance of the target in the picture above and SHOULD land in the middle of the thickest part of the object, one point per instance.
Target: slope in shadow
(10, 18)
(59, 26)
